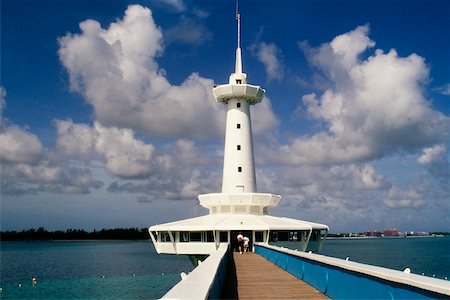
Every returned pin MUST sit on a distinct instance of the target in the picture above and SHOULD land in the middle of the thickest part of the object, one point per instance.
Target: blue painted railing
(342, 279)
(219, 280)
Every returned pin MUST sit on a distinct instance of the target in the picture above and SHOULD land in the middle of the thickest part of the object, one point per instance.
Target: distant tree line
(76, 234)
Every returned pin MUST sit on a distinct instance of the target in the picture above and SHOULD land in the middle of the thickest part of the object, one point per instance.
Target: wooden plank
(257, 278)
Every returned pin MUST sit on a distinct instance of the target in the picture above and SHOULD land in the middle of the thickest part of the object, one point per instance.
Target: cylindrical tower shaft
(238, 167)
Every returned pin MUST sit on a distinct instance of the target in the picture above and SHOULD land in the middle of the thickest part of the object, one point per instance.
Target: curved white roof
(238, 222)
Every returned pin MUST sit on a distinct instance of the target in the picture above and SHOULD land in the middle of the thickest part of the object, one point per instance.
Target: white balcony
(251, 93)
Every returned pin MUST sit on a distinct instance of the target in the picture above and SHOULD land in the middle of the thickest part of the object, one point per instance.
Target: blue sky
(108, 119)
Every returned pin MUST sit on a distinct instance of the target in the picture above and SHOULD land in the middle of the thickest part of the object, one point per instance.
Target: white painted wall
(233, 180)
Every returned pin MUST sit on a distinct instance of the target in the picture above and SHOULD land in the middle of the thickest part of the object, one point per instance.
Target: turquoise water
(133, 270)
(120, 287)
(427, 255)
(87, 270)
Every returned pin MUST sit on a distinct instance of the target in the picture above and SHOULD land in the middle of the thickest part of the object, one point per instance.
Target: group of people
(243, 243)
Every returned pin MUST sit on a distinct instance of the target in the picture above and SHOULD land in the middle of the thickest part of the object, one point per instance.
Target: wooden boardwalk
(257, 278)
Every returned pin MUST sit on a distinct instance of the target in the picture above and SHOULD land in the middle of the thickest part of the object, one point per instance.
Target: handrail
(343, 279)
(205, 281)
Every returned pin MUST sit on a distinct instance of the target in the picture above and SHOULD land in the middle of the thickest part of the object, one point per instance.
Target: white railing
(205, 281)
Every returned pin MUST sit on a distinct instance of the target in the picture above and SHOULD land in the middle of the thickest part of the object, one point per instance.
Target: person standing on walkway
(240, 241)
(246, 243)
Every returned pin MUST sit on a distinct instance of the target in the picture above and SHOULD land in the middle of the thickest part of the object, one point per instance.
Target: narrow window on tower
(239, 147)
(238, 126)
(238, 104)
(239, 169)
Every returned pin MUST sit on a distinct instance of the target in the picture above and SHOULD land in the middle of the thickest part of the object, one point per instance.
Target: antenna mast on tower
(238, 67)
(238, 18)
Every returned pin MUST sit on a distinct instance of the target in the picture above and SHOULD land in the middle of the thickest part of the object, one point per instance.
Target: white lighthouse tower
(239, 179)
(238, 208)
(238, 95)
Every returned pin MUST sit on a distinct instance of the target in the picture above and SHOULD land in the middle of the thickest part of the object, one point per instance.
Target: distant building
(394, 232)
(374, 233)
(390, 232)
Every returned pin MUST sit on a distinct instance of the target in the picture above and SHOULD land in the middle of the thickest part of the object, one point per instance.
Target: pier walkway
(256, 278)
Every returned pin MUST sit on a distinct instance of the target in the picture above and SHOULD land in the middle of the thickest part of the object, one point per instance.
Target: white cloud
(373, 108)
(264, 121)
(19, 146)
(432, 154)
(399, 199)
(201, 14)
(348, 46)
(316, 181)
(178, 5)
(23, 159)
(27, 167)
(75, 139)
(444, 90)
(269, 55)
(45, 176)
(116, 71)
(368, 178)
(436, 162)
(44, 172)
(123, 154)
(182, 173)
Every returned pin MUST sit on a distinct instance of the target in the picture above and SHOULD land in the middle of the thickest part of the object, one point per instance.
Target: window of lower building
(239, 169)
(273, 236)
(195, 236)
(259, 236)
(283, 236)
(240, 208)
(239, 147)
(209, 236)
(225, 208)
(238, 104)
(184, 236)
(238, 126)
(164, 236)
(223, 236)
(254, 209)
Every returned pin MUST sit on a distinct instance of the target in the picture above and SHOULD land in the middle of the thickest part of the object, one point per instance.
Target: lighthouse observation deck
(251, 93)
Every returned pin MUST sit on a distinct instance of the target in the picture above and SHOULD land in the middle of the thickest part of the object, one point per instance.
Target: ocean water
(133, 270)
(429, 256)
(87, 270)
